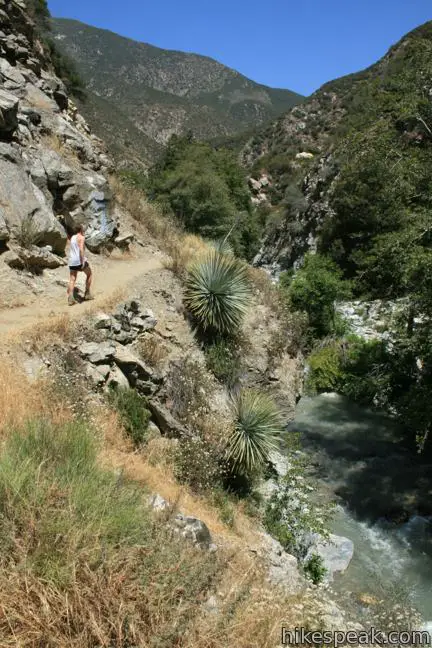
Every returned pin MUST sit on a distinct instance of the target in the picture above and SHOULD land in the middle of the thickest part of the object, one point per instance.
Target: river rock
(336, 553)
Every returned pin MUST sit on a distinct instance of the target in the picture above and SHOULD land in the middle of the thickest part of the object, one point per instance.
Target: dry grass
(152, 349)
(56, 330)
(21, 399)
(183, 252)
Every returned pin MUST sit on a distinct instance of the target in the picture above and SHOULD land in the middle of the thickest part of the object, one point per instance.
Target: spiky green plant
(222, 246)
(258, 424)
(217, 293)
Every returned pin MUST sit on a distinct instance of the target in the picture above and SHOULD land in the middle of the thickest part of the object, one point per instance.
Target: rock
(117, 379)
(336, 553)
(11, 74)
(283, 568)
(97, 352)
(153, 431)
(158, 503)
(145, 387)
(133, 367)
(59, 174)
(133, 306)
(255, 185)
(124, 337)
(98, 374)
(304, 155)
(143, 323)
(194, 530)
(8, 112)
(124, 240)
(102, 321)
(34, 259)
(166, 422)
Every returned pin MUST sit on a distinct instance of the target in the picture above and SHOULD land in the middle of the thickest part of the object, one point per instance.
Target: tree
(314, 290)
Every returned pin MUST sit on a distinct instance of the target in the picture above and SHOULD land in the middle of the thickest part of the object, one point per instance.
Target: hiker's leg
(89, 276)
(72, 280)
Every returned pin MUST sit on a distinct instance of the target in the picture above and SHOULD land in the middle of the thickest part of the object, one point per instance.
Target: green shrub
(133, 413)
(325, 370)
(222, 501)
(258, 424)
(217, 293)
(315, 289)
(314, 569)
(293, 512)
(223, 361)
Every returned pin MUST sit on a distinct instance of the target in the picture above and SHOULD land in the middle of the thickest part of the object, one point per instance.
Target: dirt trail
(110, 276)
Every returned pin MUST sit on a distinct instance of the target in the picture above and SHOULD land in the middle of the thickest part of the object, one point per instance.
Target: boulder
(194, 530)
(158, 503)
(59, 174)
(8, 113)
(24, 206)
(97, 352)
(34, 259)
(336, 553)
(97, 374)
(283, 569)
(102, 321)
(168, 425)
(117, 379)
(133, 367)
(10, 74)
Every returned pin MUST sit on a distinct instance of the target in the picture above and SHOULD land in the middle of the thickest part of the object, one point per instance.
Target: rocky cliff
(349, 165)
(53, 171)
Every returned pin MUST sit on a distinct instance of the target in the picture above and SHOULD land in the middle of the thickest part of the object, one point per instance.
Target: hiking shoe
(88, 297)
(71, 300)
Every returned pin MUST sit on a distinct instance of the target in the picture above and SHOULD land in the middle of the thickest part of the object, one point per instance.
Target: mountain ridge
(163, 92)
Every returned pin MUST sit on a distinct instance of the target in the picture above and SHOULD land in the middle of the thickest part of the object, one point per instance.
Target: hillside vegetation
(361, 197)
(160, 92)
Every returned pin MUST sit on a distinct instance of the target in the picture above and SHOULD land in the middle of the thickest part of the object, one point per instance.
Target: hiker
(77, 263)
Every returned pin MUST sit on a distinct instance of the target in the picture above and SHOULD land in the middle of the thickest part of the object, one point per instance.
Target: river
(384, 495)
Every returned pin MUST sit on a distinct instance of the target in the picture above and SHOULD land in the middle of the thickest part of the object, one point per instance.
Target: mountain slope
(350, 168)
(162, 92)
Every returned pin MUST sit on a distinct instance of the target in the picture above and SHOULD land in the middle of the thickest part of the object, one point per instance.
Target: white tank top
(74, 252)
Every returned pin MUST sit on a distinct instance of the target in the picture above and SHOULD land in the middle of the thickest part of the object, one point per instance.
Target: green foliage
(133, 413)
(222, 501)
(325, 369)
(223, 360)
(207, 192)
(38, 10)
(293, 511)
(314, 569)
(217, 293)
(314, 290)
(49, 474)
(258, 424)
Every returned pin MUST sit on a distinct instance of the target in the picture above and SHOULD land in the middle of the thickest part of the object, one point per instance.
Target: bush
(258, 424)
(325, 370)
(223, 361)
(314, 569)
(198, 464)
(217, 293)
(292, 513)
(314, 290)
(133, 413)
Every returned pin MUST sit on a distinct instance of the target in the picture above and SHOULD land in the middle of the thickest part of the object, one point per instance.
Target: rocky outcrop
(52, 169)
(336, 553)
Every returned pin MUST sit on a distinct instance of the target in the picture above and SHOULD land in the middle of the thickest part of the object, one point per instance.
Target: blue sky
(296, 44)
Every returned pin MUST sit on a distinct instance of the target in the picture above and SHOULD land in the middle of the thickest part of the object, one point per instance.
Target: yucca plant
(258, 424)
(217, 293)
(222, 246)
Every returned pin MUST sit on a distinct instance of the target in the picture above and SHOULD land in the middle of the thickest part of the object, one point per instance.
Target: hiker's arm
(81, 249)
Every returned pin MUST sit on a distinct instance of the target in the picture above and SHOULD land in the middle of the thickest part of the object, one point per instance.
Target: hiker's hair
(78, 228)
